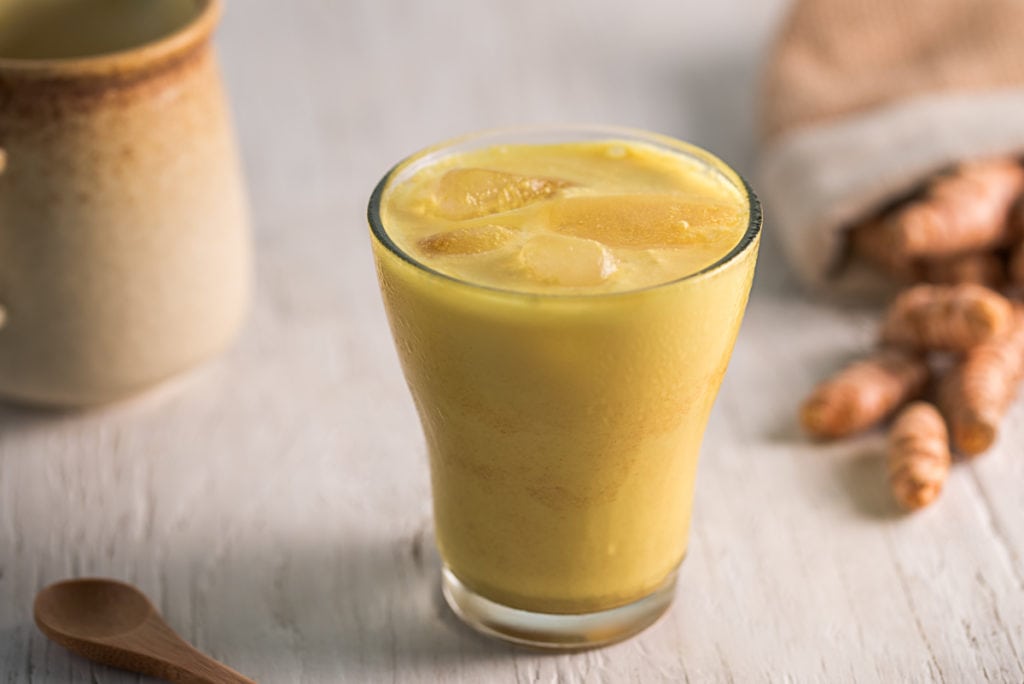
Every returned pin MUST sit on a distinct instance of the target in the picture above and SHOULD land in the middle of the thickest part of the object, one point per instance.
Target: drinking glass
(563, 429)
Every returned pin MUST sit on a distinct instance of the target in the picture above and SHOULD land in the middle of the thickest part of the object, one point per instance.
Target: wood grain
(275, 505)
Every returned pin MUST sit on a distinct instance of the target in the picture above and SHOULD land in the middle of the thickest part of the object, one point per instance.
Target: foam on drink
(601, 216)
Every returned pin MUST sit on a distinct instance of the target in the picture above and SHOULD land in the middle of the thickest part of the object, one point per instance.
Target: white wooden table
(275, 505)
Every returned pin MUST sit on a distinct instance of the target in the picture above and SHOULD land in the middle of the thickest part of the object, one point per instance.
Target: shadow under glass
(68, 29)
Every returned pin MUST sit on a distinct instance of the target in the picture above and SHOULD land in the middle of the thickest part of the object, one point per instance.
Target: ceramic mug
(124, 242)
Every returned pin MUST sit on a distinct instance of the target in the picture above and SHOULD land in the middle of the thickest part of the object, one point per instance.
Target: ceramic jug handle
(3, 311)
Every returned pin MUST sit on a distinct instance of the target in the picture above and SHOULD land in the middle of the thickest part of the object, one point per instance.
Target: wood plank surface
(275, 504)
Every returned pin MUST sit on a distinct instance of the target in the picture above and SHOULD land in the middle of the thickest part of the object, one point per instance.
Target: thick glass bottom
(555, 631)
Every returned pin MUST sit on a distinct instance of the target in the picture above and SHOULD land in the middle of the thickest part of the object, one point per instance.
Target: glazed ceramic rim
(582, 132)
(169, 45)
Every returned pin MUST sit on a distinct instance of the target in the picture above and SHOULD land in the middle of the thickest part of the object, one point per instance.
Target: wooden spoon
(115, 624)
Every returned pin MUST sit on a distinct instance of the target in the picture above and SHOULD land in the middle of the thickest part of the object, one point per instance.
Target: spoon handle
(160, 652)
(202, 669)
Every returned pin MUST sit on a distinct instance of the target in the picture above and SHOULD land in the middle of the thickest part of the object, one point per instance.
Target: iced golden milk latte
(564, 304)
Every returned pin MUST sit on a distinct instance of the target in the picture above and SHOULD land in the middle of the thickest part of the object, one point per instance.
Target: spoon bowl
(114, 623)
(83, 607)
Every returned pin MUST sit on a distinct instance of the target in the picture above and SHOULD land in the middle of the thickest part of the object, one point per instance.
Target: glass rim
(742, 246)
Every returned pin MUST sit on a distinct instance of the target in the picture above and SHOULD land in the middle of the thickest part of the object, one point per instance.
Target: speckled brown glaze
(124, 247)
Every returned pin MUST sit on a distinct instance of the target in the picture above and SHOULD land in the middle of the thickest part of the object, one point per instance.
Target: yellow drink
(564, 314)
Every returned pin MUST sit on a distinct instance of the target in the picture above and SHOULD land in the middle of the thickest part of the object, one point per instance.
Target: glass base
(555, 631)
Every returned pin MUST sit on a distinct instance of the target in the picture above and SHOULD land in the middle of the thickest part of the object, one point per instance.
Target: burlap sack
(865, 99)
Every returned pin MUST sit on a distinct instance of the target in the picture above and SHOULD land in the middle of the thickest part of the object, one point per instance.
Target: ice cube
(468, 240)
(644, 220)
(470, 193)
(565, 260)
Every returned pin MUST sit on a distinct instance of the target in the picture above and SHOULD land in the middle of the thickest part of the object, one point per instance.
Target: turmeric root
(1015, 269)
(946, 317)
(1015, 221)
(977, 393)
(965, 210)
(872, 242)
(1017, 265)
(863, 393)
(980, 268)
(918, 457)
